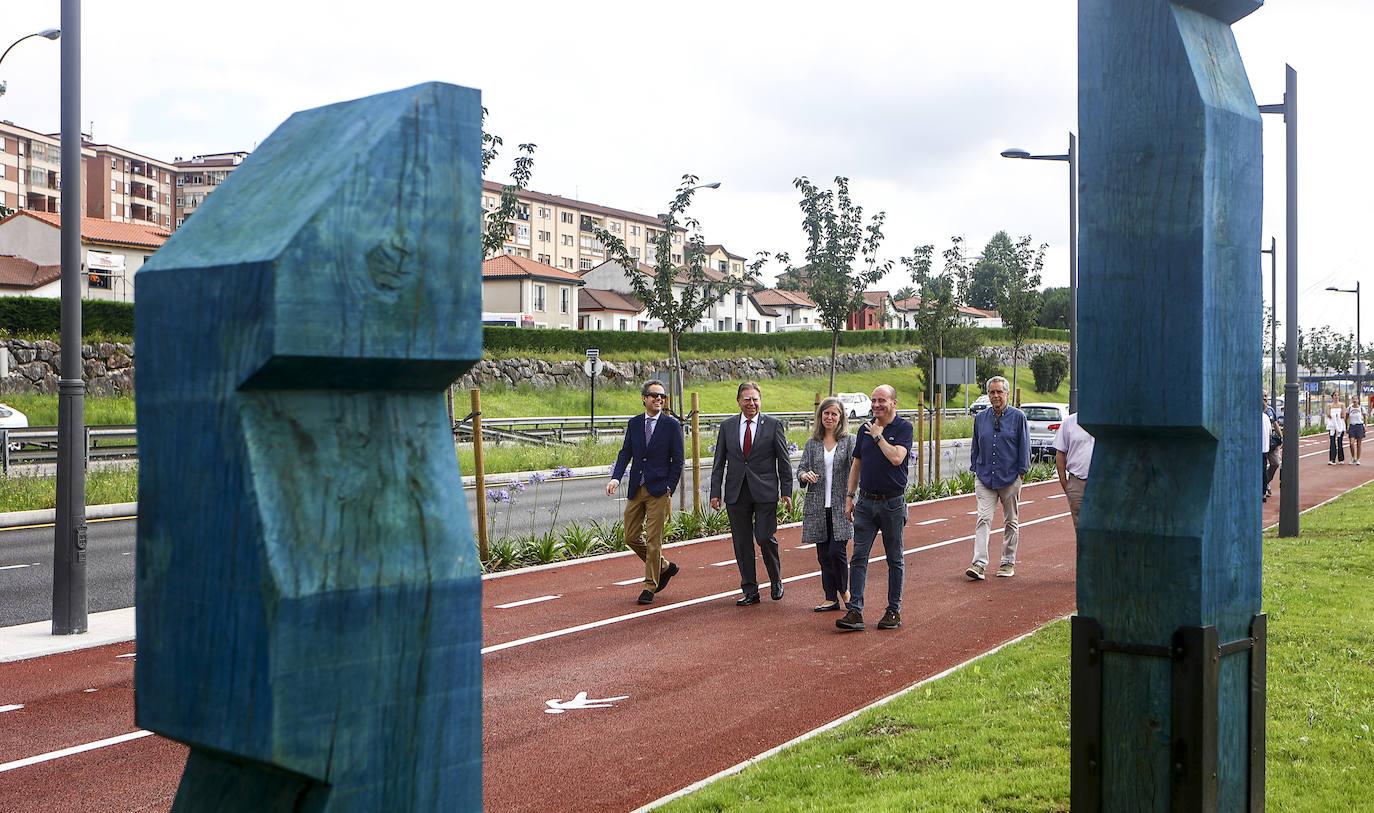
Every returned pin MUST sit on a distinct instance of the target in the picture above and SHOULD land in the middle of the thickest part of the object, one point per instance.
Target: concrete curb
(47, 516)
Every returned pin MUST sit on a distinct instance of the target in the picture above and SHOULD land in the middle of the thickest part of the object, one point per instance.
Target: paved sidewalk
(36, 640)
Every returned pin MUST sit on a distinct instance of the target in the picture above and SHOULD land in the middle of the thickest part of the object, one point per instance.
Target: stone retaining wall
(36, 366)
(109, 367)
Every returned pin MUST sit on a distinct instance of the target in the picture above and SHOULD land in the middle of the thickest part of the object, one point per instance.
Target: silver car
(1044, 419)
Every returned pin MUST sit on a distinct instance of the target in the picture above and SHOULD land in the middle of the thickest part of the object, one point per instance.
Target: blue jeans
(871, 517)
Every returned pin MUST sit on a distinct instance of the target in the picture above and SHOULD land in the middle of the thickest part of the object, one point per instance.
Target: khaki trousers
(1073, 490)
(645, 516)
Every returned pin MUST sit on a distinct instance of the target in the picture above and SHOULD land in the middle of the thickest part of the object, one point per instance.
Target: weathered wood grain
(308, 590)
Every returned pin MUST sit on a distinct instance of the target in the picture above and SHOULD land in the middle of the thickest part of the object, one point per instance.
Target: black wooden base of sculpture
(1196, 657)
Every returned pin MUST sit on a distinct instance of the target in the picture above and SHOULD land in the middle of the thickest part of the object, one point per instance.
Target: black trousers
(834, 560)
(754, 523)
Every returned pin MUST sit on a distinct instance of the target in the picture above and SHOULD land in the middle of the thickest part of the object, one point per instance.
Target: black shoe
(891, 620)
(665, 576)
(776, 592)
(647, 597)
(747, 600)
(853, 620)
(825, 608)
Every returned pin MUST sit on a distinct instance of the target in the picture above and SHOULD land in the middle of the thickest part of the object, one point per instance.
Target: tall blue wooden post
(308, 589)
(1168, 666)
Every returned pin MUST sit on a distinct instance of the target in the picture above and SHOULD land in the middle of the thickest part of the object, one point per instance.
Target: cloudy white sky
(913, 101)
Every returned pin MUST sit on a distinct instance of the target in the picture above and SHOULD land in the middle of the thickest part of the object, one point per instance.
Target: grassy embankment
(995, 734)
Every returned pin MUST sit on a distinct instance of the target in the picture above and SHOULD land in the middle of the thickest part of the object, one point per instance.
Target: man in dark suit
(750, 469)
(653, 451)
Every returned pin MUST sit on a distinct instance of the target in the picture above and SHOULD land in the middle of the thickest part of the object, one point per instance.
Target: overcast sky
(912, 101)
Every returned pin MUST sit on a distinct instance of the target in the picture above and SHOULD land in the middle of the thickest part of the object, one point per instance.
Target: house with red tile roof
(794, 308)
(21, 277)
(519, 285)
(604, 309)
(110, 252)
(735, 311)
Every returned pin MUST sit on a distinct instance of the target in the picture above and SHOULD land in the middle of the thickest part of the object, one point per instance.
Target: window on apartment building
(538, 297)
(20, 145)
(634, 230)
(114, 185)
(544, 212)
(586, 243)
(677, 258)
(180, 220)
(21, 176)
(567, 262)
(545, 237)
(724, 266)
(586, 265)
(488, 201)
(522, 211)
(615, 226)
(563, 300)
(114, 162)
(545, 259)
(167, 221)
(567, 239)
(634, 252)
(566, 217)
(677, 237)
(2, 169)
(739, 298)
(522, 234)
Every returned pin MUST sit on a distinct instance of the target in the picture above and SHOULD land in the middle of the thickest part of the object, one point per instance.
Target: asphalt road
(26, 553)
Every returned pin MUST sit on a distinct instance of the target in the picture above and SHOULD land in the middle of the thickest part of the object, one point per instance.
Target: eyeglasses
(655, 395)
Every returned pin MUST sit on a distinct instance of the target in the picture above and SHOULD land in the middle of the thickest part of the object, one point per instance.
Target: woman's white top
(829, 470)
(1354, 415)
(1334, 424)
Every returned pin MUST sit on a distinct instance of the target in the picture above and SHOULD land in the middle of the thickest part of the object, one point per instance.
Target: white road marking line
(971, 513)
(130, 655)
(933, 521)
(1025, 502)
(591, 625)
(15, 707)
(808, 545)
(527, 601)
(1055, 497)
(627, 582)
(16, 567)
(726, 563)
(75, 749)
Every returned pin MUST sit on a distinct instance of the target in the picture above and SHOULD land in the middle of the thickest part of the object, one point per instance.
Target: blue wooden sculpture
(1169, 634)
(308, 589)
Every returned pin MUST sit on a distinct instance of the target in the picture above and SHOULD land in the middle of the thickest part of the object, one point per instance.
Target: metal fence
(37, 445)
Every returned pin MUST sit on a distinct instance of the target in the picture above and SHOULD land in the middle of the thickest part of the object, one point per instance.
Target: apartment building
(30, 169)
(198, 177)
(558, 231)
(125, 187)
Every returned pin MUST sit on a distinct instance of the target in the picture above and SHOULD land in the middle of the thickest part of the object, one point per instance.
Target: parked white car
(979, 405)
(856, 404)
(1044, 420)
(11, 418)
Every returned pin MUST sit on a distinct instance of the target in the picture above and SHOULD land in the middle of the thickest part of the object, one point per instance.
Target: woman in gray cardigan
(823, 473)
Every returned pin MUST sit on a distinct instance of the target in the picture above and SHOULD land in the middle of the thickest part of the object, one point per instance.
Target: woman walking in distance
(1354, 428)
(1335, 427)
(823, 473)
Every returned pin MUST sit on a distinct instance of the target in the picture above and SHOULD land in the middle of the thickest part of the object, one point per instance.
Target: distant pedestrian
(1354, 429)
(1273, 442)
(752, 467)
(999, 457)
(876, 503)
(1335, 428)
(653, 452)
(1073, 454)
(823, 473)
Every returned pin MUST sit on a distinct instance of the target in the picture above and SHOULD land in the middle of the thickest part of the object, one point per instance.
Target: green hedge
(21, 315)
(1048, 334)
(511, 341)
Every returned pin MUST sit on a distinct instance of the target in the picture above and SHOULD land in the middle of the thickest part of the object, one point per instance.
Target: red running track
(694, 684)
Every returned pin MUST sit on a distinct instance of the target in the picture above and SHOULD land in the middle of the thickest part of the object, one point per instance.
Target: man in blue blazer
(653, 452)
(752, 466)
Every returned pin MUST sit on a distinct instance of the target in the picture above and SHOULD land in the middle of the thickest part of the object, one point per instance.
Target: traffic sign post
(592, 366)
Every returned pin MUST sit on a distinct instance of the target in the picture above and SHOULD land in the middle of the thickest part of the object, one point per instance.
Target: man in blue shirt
(999, 457)
(653, 453)
(876, 501)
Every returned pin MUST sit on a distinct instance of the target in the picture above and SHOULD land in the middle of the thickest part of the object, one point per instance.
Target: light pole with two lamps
(47, 33)
(1359, 354)
(1071, 157)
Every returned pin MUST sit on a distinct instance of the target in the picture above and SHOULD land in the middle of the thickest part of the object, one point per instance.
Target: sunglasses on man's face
(655, 395)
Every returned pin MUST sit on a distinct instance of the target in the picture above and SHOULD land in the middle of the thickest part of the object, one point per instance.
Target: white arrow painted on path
(558, 706)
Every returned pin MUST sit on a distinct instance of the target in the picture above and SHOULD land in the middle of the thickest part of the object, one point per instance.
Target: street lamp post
(1359, 349)
(1071, 157)
(1273, 253)
(47, 33)
(1288, 496)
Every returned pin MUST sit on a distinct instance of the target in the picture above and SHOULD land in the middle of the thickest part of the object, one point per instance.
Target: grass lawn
(995, 734)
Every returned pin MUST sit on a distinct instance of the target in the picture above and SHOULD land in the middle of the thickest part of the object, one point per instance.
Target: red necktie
(748, 437)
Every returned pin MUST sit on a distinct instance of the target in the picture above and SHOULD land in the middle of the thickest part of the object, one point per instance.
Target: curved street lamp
(1359, 370)
(1071, 157)
(47, 33)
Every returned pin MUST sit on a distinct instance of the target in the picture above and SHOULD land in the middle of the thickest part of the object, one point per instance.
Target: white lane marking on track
(726, 563)
(75, 749)
(15, 707)
(933, 521)
(16, 567)
(1025, 502)
(591, 625)
(129, 655)
(971, 513)
(808, 545)
(508, 605)
(1055, 497)
(627, 582)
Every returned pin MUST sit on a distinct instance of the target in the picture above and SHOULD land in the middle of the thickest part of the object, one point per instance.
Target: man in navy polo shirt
(999, 457)
(877, 502)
